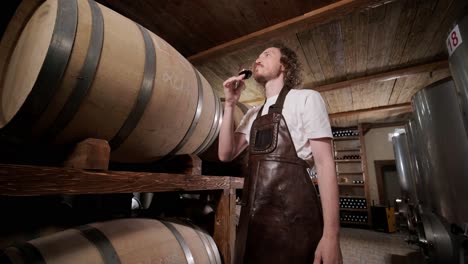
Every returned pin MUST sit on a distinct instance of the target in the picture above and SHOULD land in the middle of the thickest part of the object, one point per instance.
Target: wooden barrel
(211, 153)
(119, 241)
(79, 70)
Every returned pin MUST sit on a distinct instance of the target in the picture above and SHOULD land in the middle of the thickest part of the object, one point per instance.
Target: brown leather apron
(281, 218)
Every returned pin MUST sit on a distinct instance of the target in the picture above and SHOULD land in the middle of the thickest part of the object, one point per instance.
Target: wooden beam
(308, 20)
(382, 125)
(403, 108)
(21, 180)
(384, 76)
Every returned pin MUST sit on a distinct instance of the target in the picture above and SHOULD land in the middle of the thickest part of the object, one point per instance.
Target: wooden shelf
(345, 184)
(351, 184)
(349, 173)
(354, 223)
(21, 180)
(346, 138)
(352, 169)
(354, 210)
(348, 150)
(352, 196)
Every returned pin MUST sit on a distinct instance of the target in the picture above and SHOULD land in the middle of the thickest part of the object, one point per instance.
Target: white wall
(377, 148)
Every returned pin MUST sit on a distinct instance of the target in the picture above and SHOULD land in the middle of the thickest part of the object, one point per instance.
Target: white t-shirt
(305, 114)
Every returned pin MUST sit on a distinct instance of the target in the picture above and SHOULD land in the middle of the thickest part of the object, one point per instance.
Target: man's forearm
(329, 196)
(226, 134)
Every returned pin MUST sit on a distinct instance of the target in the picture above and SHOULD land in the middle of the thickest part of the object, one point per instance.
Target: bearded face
(268, 66)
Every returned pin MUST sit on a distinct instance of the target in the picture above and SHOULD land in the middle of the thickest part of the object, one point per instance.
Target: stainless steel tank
(404, 163)
(457, 47)
(421, 165)
(439, 121)
(442, 151)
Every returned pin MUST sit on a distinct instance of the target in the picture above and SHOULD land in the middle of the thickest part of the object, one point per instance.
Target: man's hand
(232, 89)
(328, 251)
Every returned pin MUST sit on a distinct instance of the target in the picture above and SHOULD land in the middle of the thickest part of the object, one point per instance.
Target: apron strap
(278, 106)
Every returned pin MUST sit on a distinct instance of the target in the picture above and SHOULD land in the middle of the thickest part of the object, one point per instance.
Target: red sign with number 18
(454, 40)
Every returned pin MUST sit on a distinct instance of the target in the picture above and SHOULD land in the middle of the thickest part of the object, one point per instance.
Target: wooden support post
(225, 229)
(89, 154)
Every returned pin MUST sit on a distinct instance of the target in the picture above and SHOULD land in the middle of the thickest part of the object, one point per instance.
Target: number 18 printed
(454, 40)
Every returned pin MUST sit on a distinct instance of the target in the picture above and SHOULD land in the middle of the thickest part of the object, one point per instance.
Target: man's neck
(273, 87)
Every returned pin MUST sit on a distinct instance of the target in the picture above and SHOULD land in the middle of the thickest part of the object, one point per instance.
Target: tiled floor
(361, 246)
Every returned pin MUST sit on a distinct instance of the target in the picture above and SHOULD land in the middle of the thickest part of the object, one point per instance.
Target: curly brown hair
(292, 66)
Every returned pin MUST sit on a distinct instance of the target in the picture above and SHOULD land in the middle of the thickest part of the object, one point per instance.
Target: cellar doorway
(387, 181)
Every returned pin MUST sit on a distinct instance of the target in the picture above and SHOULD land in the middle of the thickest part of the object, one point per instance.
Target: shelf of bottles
(359, 218)
(358, 182)
(349, 168)
(345, 133)
(353, 203)
(348, 158)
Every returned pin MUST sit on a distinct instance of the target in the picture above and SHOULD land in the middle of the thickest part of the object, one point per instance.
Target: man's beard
(262, 79)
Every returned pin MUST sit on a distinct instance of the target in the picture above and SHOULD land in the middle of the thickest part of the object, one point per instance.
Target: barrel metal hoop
(206, 243)
(86, 75)
(213, 246)
(195, 120)
(214, 127)
(221, 114)
(220, 122)
(101, 242)
(182, 243)
(30, 253)
(144, 95)
(53, 68)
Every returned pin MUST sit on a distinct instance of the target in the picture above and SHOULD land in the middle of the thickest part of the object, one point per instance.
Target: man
(281, 220)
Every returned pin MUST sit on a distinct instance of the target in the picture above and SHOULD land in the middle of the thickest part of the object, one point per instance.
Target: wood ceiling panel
(194, 26)
(408, 9)
(383, 30)
(397, 90)
(384, 91)
(338, 100)
(344, 121)
(307, 43)
(377, 52)
(437, 46)
(355, 28)
(328, 41)
(370, 95)
(420, 34)
(433, 29)
(360, 96)
(405, 88)
(416, 83)
(383, 116)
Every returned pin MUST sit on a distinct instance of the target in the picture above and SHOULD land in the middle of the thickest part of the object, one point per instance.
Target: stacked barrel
(74, 69)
